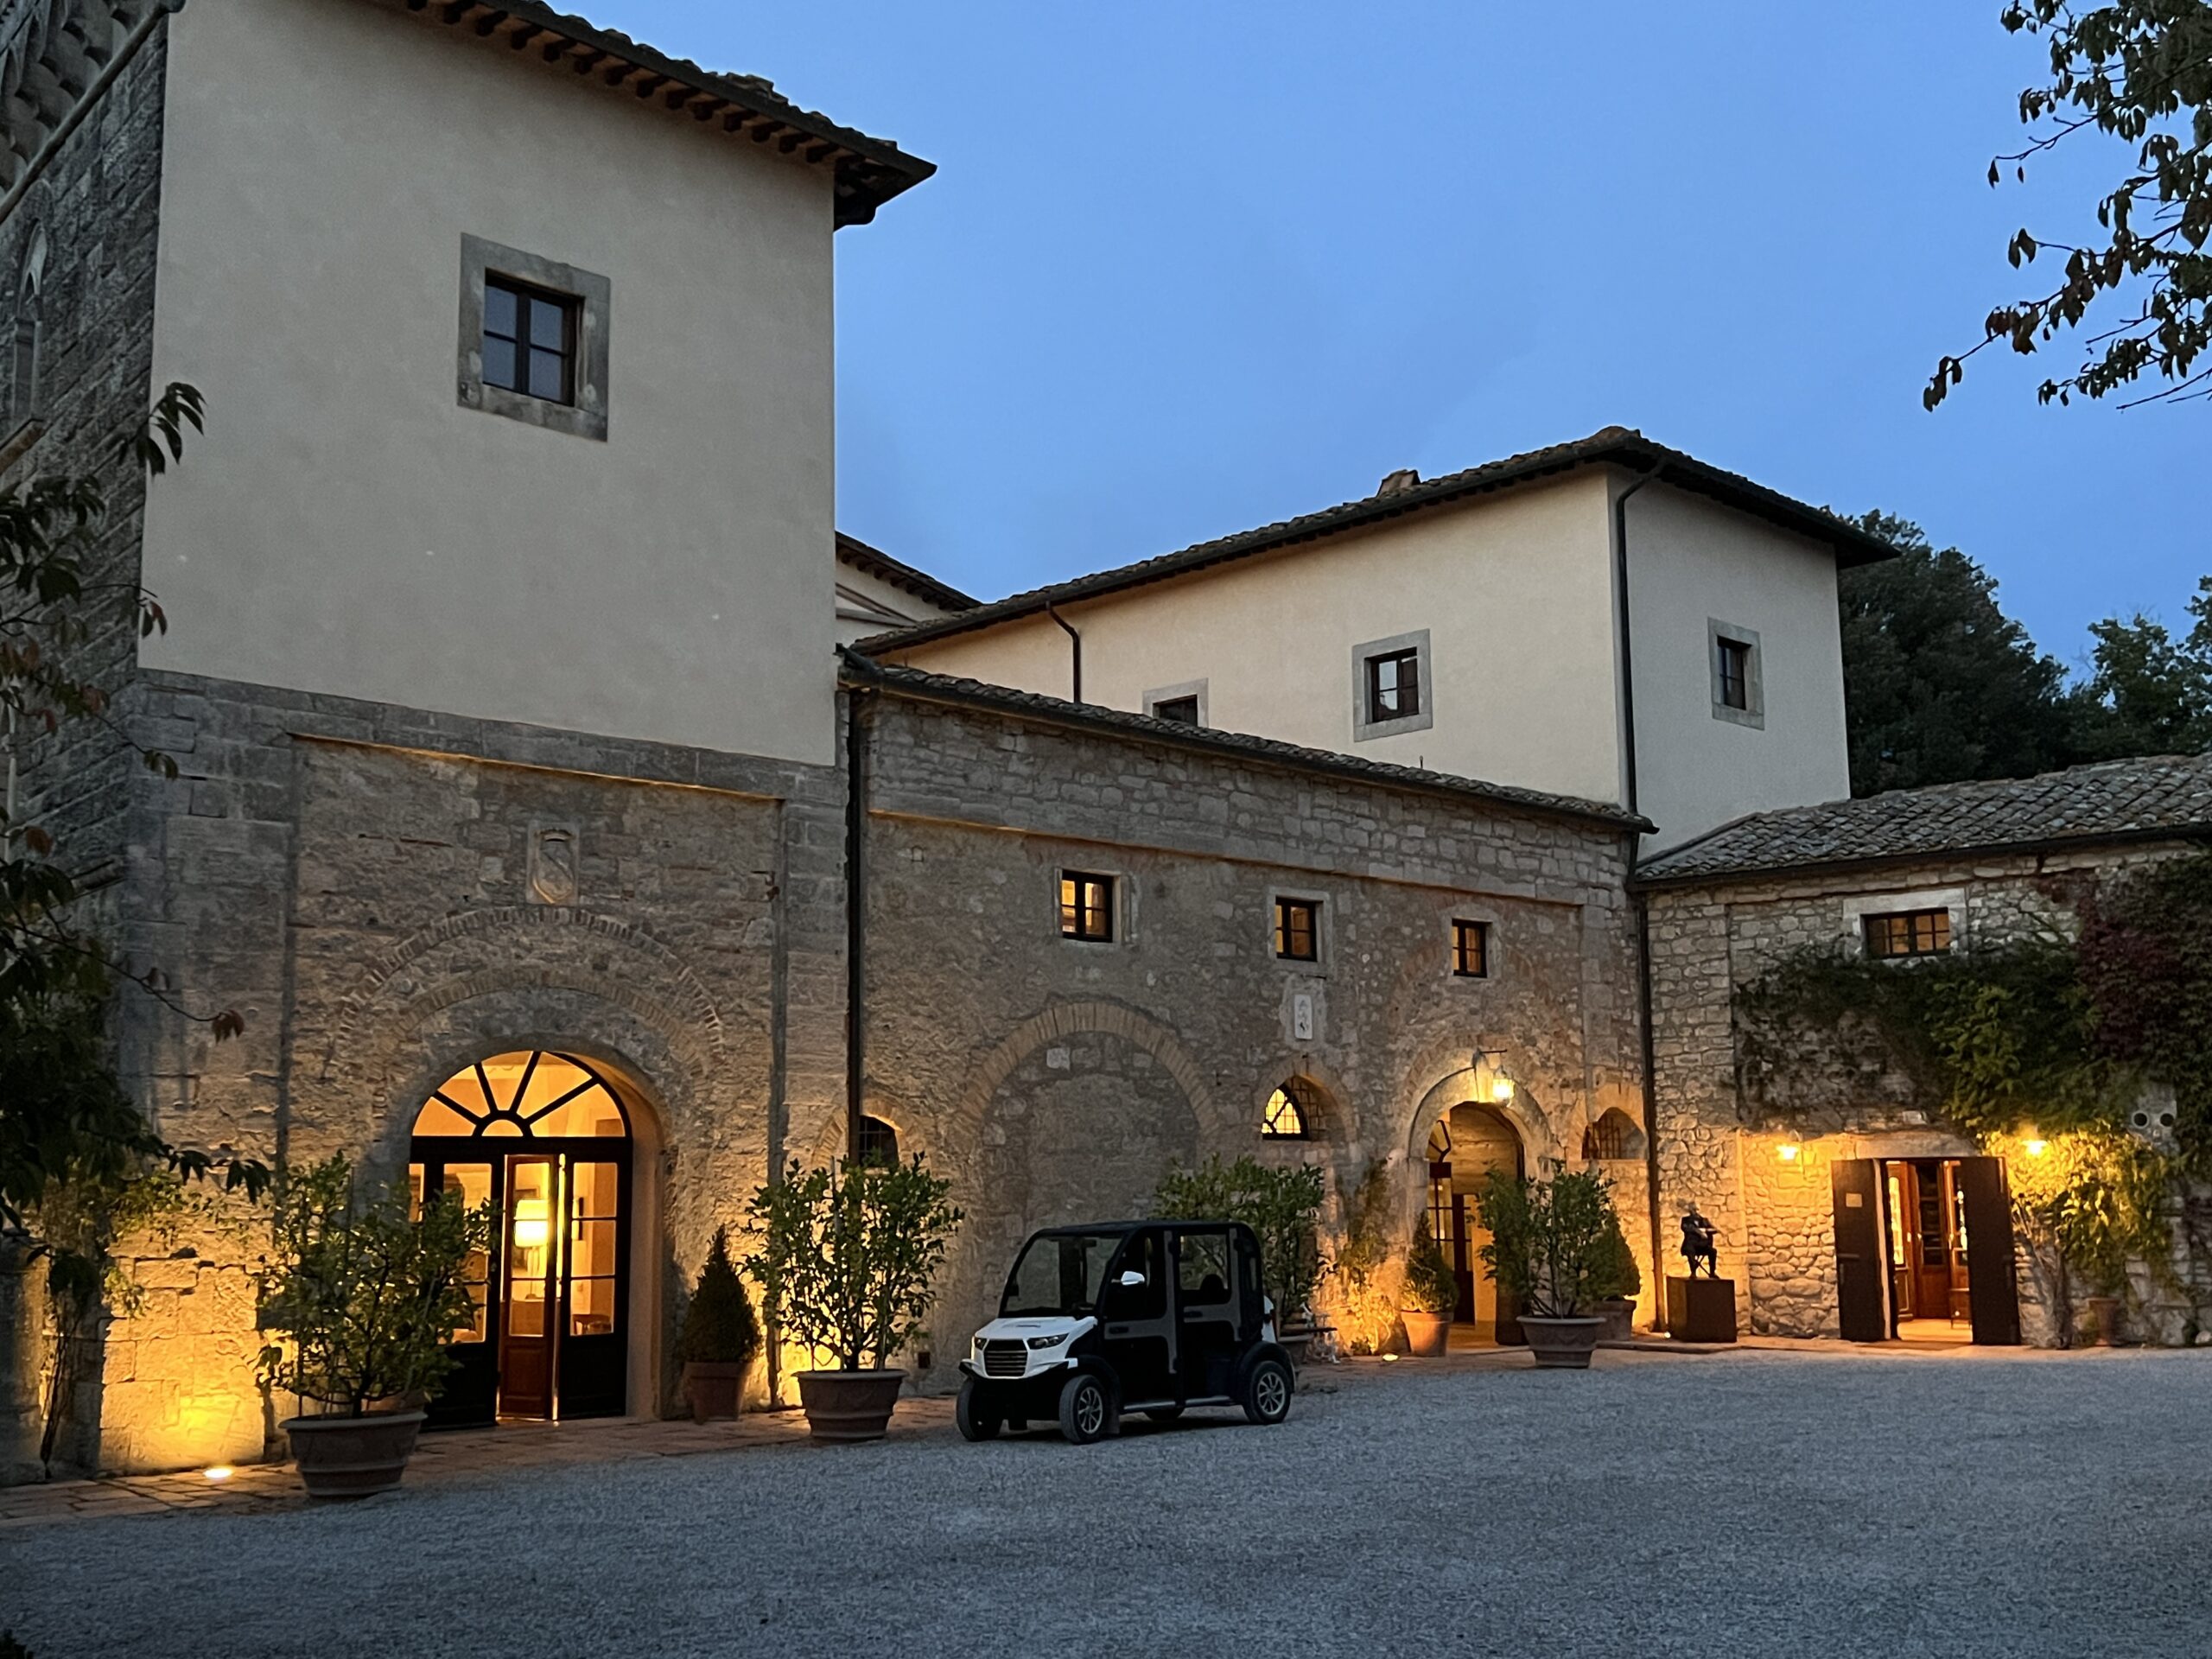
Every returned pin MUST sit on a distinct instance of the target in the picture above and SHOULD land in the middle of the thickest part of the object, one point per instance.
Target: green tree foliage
(719, 1323)
(366, 1296)
(848, 1260)
(2147, 693)
(1430, 1285)
(2140, 71)
(62, 1115)
(2146, 962)
(1282, 1206)
(1942, 685)
(1547, 1245)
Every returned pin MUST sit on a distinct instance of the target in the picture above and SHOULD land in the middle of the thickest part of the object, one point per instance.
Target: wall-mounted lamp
(1787, 1151)
(2034, 1145)
(1501, 1086)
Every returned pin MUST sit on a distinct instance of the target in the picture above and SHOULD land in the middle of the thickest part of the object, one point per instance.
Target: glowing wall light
(1787, 1151)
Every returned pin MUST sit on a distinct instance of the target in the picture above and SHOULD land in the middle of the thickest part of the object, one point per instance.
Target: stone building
(1810, 1207)
(530, 823)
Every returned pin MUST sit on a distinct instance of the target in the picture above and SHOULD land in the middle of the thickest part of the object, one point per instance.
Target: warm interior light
(220, 1472)
(1787, 1151)
(533, 1223)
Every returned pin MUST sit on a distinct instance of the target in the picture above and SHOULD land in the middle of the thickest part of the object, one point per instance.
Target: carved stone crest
(553, 863)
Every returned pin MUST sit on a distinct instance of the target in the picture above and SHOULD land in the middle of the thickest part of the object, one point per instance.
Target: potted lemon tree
(1432, 1296)
(365, 1296)
(720, 1336)
(1547, 1251)
(1618, 1279)
(847, 1268)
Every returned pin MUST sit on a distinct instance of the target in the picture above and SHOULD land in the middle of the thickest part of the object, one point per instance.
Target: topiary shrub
(1430, 1285)
(1614, 1275)
(720, 1327)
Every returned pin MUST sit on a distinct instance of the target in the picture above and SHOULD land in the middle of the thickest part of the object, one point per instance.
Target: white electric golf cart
(1149, 1316)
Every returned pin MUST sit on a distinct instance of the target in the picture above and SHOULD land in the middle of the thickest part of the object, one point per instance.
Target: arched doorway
(1468, 1142)
(544, 1138)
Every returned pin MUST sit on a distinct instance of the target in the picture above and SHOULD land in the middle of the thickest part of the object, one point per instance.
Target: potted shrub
(719, 1338)
(1545, 1251)
(1432, 1296)
(1617, 1282)
(1283, 1206)
(847, 1268)
(366, 1298)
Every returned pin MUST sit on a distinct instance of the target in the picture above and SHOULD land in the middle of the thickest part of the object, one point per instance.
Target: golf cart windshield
(1060, 1272)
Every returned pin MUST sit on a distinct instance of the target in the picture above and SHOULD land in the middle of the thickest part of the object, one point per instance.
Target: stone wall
(1055, 1080)
(1776, 1214)
(382, 895)
(94, 209)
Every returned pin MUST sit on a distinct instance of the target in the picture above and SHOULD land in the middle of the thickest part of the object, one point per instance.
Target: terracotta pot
(1426, 1333)
(1562, 1345)
(1619, 1315)
(2104, 1313)
(712, 1386)
(848, 1405)
(353, 1456)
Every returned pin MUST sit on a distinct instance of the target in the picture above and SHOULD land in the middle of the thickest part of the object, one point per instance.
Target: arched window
(879, 1142)
(531, 1096)
(23, 352)
(1289, 1116)
(1613, 1135)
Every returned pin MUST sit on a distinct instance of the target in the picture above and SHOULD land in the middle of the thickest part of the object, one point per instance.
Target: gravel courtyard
(1959, 1503)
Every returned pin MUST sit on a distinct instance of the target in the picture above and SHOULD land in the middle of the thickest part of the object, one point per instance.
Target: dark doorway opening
(1924, 1251)
(544, 1138)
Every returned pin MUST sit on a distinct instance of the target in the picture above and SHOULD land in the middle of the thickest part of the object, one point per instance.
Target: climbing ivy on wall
(2043, 1045)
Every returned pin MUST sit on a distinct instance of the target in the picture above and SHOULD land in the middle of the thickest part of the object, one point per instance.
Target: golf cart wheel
(975, 1423)
(1086, 1410)
(1164, 1413)
(1267, 1392)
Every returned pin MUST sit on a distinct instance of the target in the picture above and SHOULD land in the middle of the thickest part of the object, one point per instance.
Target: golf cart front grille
(1005, 1359)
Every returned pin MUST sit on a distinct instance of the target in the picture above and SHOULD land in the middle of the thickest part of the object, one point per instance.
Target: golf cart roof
(1095, 1227)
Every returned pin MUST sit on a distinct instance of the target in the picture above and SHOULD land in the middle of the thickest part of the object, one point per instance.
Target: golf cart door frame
(1136, 1325)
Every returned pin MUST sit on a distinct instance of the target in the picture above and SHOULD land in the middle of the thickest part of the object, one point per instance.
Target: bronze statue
(1698, 1236)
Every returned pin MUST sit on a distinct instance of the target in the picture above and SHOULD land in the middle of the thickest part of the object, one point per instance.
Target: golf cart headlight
(1048, 1341)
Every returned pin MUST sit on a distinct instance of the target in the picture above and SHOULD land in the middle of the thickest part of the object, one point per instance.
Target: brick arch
(518, 951)
(1072, 1019)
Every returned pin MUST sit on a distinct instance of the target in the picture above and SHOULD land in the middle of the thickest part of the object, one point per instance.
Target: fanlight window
(1287, 1118)
(537, 1095)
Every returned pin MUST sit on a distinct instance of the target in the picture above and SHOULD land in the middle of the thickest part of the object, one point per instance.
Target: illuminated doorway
(544, 1138)
(1924, 1251)
(1469, 1142)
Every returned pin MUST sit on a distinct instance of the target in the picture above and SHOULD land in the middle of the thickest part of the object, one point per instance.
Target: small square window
(1298, 930)
(1908, 933)
(1732, 665)
(1393, 687)
(1184, 711)
(1086, 906)
(529, 339)
(1471, 950)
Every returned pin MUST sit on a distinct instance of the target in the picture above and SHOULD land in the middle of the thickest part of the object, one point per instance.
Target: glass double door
(548, 1337)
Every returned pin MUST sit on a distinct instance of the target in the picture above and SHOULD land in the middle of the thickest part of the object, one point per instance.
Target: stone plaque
(1302, 1017)
(553, 863)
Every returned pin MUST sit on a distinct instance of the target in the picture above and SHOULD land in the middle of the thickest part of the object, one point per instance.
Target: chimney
(1398, 482)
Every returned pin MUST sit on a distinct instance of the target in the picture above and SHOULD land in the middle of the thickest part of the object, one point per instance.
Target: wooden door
(471, 1391)
(1932, 1262)
(1992, 1290)
(1860, 1250)
(531, 1242)
(593, 1366)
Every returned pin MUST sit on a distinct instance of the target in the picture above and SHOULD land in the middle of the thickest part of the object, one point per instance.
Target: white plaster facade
(347, 526)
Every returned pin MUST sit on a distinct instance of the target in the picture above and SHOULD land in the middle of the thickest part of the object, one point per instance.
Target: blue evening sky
(1190, 267)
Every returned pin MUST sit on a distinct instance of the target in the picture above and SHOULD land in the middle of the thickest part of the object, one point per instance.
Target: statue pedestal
(1701, 1310)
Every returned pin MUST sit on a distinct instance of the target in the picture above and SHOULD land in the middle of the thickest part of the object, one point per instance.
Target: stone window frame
(1196, 689)
(1493, 937)
(1365, 730)
(1858, 907)
(1323, 910)
(1121, 905)
(1753, 715)
(586, 418)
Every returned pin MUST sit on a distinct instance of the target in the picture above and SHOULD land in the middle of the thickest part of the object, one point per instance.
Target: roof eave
(1641, 882)
(868, 171)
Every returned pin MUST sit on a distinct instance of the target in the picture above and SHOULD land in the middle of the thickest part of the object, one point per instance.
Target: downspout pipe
(1075, 650)
(1647, 1043)
(856, 735)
